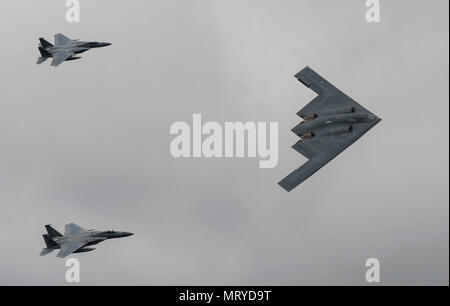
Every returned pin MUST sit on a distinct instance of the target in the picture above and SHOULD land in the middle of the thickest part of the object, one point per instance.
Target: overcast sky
(88, 142)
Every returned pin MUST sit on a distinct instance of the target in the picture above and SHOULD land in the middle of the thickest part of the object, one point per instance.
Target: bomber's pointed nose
(126, 234)
(372, 117)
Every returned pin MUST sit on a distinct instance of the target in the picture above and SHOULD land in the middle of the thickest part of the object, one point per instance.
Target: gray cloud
(89, 143)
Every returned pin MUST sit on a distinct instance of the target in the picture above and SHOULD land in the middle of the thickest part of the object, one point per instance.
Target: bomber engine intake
(346, 110)
(339, 130)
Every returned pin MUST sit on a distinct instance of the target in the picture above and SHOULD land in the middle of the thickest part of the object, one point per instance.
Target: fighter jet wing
(69, 247)
(72, 229)
(59, 57)
(61, 39)
(321, 149)
(329, 97)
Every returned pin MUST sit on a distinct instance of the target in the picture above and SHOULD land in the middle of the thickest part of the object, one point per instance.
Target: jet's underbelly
(329, 122)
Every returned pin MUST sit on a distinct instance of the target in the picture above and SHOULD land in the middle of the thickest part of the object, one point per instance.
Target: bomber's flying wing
(60, 56)
(72, 229)
(61, 39)
(329, 97)
(322, 149)
(69, 247)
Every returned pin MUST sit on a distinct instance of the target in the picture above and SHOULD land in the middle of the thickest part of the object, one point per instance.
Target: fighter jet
(76, 239)
(332, 122)
(65, 49)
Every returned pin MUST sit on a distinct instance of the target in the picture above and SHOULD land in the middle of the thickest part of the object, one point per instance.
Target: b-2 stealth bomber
(76, 239)
(332, 122)
(65, 49)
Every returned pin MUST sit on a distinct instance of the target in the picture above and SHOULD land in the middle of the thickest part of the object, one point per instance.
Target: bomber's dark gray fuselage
(332, 124)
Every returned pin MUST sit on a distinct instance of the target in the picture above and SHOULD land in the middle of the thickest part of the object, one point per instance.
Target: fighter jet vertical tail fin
(44, 56)
(44, 53)
(49, 242)
(45, 44)
(52, 232)
(50, 245)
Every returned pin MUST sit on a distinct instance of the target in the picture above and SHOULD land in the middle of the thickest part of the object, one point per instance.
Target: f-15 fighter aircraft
(76, 239)
(65, 49)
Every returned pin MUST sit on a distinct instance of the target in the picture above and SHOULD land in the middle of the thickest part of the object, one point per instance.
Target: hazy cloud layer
(88, 142)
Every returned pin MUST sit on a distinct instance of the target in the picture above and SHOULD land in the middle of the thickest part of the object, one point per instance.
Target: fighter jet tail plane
(44, 55)
(51, 246)
(75, 239)
(65, 49)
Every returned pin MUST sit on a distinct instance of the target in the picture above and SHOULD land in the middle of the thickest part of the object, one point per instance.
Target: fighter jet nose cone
(103, 44)
(126, 234)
